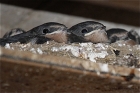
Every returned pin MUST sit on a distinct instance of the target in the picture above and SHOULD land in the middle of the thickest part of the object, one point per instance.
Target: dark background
(118, 11)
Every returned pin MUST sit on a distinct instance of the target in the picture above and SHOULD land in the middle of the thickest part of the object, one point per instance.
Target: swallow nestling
(13, 32)
(134, 36)
(130, 37)
(116, 34)
(57, 32)
(40, 34)
(88, 31)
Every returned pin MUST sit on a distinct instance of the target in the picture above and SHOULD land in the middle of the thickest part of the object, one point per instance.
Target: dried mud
(117, 53)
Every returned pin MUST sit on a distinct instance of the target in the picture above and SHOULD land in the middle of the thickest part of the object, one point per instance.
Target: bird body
(39, 34)
(116, 34)
(13, 32)
(89, 31)
(129, 37)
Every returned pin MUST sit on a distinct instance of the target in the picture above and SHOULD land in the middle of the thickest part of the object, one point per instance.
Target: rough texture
(26, 78)
(18, 76)
(39, 72)
(115, 54)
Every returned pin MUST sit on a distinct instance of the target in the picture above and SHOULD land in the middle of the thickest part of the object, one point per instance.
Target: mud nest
(115, 54)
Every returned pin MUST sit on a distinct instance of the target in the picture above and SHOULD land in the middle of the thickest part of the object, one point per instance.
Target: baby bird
(88, 31)
(118, 34)
(13, 32)
(134, 36)
(55, 31)
(40, 34)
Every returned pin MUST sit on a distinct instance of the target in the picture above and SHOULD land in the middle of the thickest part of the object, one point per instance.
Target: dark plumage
(39, 34)
(13, 32)
(134, 36)
(117, 34)
(88, 31)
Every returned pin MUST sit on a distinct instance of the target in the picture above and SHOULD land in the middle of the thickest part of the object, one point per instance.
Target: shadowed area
(83, 9)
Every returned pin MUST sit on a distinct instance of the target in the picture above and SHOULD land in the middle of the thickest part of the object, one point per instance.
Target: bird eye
(45, 31)
(84, 31)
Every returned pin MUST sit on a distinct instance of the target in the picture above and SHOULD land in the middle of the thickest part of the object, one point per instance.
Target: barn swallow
(129, 37)
(16, 31)
(40, 34)
(134, 36)
(13, 32)
(88, 31)
(57, 32)
(116, 34)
